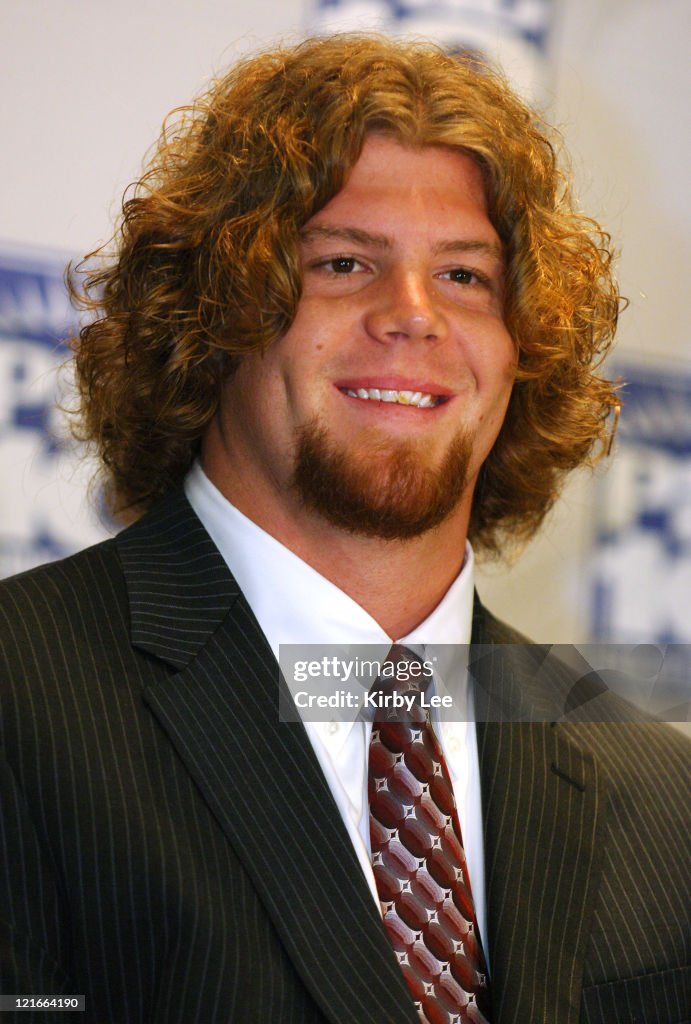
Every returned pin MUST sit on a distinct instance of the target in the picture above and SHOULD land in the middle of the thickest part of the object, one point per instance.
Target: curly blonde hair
(206, 264)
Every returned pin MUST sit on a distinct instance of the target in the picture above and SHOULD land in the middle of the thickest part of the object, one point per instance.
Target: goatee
(383, 489)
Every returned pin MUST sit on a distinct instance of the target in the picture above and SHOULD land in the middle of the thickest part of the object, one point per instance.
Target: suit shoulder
(67, 597)
(488, 629)
(51, 578)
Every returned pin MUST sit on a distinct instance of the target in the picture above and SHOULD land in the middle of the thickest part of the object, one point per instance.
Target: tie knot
(397, 694)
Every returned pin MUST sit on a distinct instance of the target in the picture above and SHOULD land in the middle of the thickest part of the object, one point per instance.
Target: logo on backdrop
(44, 513)
(642, 564)
(514, 32)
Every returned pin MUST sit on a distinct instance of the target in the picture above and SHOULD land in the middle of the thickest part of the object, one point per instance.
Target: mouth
(392, 396)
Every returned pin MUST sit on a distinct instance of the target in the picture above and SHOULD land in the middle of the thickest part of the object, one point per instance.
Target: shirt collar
(294, 604)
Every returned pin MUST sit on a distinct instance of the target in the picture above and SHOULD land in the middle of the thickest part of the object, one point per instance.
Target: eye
(339, 266)
(339, 274)
(342, 264)
(461, 275)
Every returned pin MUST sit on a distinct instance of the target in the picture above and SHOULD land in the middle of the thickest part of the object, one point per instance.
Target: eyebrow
(493, 249)
(356, 235)
(361, 237)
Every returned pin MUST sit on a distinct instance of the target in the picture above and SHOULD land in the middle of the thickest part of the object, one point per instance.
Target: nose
(405, 308)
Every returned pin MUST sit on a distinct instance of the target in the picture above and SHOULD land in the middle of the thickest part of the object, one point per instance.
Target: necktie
(418, 860)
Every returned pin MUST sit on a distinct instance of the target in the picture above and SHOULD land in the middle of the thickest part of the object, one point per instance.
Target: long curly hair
(204, 265)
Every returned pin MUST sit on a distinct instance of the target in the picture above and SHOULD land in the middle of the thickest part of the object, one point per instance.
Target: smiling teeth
(417, 398)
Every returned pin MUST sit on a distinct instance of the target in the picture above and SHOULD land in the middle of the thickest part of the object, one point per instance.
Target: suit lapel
(543, 806)
(259, 776)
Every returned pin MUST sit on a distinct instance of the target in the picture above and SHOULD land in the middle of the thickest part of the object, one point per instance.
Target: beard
(384, 489)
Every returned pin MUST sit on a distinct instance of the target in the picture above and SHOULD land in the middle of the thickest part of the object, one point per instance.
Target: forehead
(393, 185)
(381, 153)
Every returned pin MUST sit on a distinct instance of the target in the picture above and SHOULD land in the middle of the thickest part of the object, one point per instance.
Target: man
(352, 320)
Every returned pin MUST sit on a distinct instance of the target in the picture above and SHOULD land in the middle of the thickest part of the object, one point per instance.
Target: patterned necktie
(419, 864)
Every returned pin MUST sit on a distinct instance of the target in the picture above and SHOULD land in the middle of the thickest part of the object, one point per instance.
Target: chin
(381, 488)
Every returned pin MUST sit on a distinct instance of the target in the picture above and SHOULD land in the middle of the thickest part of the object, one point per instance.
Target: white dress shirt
(294, 604)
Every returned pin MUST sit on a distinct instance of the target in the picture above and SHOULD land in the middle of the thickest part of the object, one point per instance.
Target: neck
(399, 588)
(398, 582)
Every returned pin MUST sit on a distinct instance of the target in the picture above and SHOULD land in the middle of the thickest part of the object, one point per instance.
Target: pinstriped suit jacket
(172, 851)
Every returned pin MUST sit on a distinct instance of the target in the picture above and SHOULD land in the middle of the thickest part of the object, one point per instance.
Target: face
(377, 408)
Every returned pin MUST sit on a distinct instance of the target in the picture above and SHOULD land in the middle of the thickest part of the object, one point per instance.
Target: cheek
(261, 376)
(505, 362)
(247, 396)
(494, 366)
(495, 377)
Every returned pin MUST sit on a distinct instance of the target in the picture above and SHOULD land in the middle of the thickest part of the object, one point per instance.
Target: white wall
(86, 87)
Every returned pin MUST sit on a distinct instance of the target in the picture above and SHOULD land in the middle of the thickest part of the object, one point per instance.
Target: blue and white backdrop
(44, 513)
